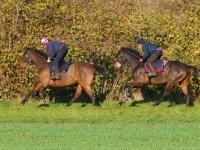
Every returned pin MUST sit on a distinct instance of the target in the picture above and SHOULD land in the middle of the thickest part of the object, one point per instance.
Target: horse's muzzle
(22, 64)
(117, 65)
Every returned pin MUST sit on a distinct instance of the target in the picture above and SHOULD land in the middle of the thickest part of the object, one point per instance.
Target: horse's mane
(38, 52)
(130, 50)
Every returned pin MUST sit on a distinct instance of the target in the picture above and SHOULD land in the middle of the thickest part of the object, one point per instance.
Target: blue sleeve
(50, 49)
(146, 53)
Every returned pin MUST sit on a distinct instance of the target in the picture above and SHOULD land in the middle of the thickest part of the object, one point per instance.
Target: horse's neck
(132, 60)
(38, 59)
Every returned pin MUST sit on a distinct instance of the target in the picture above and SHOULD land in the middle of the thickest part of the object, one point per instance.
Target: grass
(140, 126)
(111, 136)
(107, 112)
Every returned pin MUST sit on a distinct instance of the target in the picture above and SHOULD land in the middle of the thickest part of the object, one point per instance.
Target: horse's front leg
(122, 101)
(128, 92)
(37, 88)
(27, 97)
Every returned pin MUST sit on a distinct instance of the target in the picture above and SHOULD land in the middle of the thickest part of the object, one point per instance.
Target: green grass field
(54, 126)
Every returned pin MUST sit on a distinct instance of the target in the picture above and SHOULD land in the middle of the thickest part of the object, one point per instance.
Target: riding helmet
(44, 41)
(140, 41)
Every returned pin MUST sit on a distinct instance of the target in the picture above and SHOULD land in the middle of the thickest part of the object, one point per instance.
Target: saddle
(159, 65)
(63, 66)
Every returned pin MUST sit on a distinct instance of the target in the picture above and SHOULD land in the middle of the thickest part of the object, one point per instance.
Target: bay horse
(78, 72)
(174, 72)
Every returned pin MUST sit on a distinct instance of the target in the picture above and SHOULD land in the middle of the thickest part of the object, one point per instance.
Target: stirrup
(53, 76)
(57, 75)
(151, 75)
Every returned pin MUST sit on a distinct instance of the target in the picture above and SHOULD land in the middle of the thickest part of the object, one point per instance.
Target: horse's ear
(28, 48)
(122, 48)
(119, 51)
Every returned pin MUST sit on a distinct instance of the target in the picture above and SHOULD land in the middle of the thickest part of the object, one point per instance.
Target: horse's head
(126, 54)
(120, 59)
(26, 59)
(32, 56)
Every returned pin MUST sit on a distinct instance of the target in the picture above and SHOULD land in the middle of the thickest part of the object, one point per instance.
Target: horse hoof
(22, 103)
(119, 104)
(68, 104)
(155, 104)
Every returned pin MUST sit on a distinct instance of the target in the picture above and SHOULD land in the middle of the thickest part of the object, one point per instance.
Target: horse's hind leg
(185, 90)
(77, 94)
(168, 88)
(91, 93)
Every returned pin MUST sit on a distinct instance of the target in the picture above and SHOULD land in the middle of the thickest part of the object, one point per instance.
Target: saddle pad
(159, 65)
(63, 66)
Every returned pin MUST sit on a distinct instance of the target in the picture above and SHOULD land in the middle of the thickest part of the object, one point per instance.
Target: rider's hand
(48, 60)
(140, 60)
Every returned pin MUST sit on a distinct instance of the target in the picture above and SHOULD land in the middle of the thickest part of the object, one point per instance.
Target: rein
(136, 65)
(27, 56)
(120, 63)
(137, 61)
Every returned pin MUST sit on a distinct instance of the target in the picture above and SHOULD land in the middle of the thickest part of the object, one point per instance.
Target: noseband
(120, 63)
(27, 56)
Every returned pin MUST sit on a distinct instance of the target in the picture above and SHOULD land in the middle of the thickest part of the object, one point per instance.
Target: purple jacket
(53, 48)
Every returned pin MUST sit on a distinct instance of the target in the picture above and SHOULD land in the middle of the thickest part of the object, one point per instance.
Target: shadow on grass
(134, 104)
(153, 93)
(65, 94)
(43, 105)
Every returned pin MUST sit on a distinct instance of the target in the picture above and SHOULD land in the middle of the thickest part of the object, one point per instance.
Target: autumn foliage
(94, 31)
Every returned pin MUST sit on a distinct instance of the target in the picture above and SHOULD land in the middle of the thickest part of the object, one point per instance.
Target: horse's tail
(101, 71)
(195, 73)
(195, 79)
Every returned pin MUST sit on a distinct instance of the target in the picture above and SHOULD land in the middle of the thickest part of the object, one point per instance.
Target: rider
(152, 52)
(57, 52)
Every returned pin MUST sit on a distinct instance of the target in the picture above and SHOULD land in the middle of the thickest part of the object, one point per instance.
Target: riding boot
(57, 76)
(54, 70)
(152, 69)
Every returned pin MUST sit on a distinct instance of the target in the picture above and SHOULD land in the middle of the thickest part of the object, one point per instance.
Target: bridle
(27, 57)
(121, 63)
